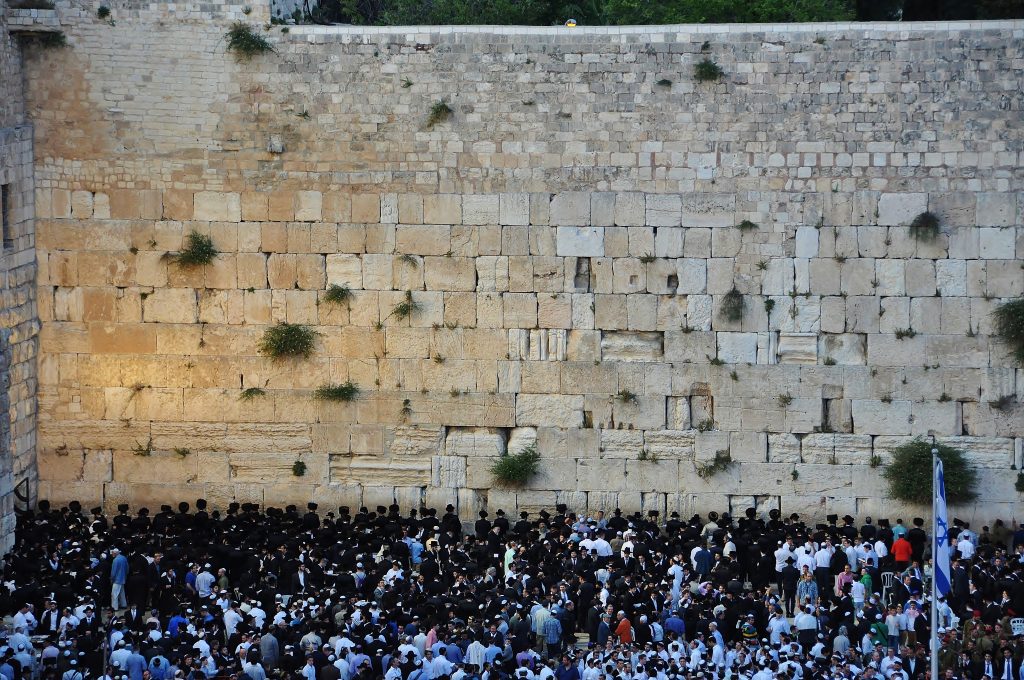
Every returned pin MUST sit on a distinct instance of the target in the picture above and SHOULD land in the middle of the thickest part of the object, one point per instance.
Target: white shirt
(231, 621)
(781, 555)
(966, 548)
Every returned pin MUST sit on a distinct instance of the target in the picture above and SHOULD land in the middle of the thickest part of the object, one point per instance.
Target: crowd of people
(251, 594)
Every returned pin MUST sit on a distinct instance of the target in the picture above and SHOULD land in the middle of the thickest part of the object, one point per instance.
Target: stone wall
(568, 234)
(19, 324)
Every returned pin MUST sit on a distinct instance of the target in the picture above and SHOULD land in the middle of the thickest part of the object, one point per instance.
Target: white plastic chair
(887, 579)
(1017, 626)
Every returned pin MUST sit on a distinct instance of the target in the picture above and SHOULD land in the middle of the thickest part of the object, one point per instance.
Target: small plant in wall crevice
(140, 450)
(439, 113)
(337, 295)
(250, 393)
(344, 392)
(245, 42)
(721, 462)
(298, 468)
(197, 251)
(707, 71)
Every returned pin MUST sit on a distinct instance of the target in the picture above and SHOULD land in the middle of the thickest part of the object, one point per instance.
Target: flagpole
(935, 565)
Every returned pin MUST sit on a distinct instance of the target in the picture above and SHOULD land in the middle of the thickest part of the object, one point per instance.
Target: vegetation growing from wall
(245, 42)
(1009, 323)
(910, 470)
(515, 469)
(288, 340)
(197, 251)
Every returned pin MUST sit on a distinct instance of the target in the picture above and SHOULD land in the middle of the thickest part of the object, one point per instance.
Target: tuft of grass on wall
(288, 340)
(251, 393)
(344, 392)
(338, 295)
(707, 71)
(439, 113)
(197, 251)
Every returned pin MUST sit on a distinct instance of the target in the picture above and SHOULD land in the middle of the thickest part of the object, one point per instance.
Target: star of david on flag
(941, 557)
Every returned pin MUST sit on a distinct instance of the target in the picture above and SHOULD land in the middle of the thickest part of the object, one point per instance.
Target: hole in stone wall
(588, 420)
(672, 283)
(581, 281)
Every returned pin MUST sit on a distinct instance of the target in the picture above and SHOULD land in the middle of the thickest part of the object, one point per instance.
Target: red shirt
(624, 631)
(902, 550)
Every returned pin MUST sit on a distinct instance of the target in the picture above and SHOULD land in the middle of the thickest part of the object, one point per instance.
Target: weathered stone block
(900, 209)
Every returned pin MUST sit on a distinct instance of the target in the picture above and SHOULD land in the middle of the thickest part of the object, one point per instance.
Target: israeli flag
(941, 557)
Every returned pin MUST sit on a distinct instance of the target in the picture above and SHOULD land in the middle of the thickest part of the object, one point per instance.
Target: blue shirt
(119, 570)
(552, 630)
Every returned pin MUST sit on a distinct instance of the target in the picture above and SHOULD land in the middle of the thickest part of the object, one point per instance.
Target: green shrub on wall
(515, 469)
(911, 468)
(1009, 326)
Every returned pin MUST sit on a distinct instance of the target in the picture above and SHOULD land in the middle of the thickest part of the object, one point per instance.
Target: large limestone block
(308, 206)
(900, 209)
(665, 444)
(818, 448)
(514, 209)
(985, 452)
(708, 210)
(601, 475)
(570, 208)
(797, 348)
(425, 239)
(653, 475)
(442, 209)
(948, 351)
(872, 416)
(64, 465)
(783, 448)
(369, 470)
(845, 349)
(215, 206)
(834, 481)
(737, 348)
(996, 210)
(664, 210)
(935, 417)
(170, 305)
(448, 471)
(631, 346)
(621, 443)
(480, 209)
(549, 410)
(853, 449)
(166, 466)
(580, 241)
(645, 412)
(629, 209)
(690, 347)
(413, 441)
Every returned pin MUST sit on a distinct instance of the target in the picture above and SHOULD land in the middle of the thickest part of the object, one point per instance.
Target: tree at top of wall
(630, 12)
